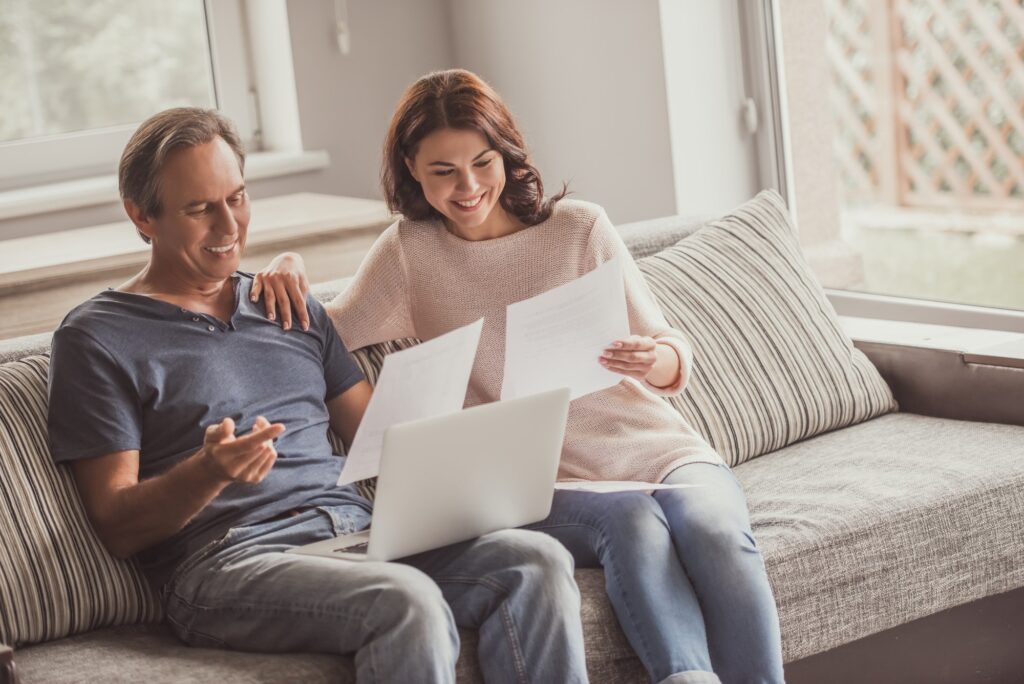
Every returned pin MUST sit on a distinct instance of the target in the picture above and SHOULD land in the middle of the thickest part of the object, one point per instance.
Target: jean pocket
(204, 552)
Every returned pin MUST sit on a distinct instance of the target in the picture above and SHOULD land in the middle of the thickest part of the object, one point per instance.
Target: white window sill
(87, 192)
(278, 222)
(999, 347)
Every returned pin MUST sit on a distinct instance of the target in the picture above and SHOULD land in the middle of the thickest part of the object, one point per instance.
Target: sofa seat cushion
(875, 525)
(150, 653)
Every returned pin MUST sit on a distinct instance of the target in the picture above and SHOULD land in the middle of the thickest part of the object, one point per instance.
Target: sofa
(894, 543)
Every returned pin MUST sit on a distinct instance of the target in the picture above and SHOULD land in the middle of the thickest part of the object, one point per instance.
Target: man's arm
(129, 515)
(347, 409)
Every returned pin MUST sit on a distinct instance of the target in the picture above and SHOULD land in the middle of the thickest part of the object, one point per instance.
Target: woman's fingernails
(607, 354)
(617, 345)
(270, 316)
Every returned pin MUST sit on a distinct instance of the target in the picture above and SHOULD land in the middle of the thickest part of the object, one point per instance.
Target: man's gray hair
(138, 175)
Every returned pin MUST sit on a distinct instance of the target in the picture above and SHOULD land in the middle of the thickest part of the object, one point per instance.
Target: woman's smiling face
(462, 177)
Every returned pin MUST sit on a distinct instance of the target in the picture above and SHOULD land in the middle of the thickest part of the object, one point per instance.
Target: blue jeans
(683, 574)
(399, 619)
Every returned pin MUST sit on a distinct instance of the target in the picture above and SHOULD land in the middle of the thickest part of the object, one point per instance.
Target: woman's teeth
(220, 250)
(469, 204)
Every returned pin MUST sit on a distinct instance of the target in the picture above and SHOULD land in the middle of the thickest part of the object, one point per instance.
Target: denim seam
(273, 609)
(618, 579)
(510, 630)
(513, 637)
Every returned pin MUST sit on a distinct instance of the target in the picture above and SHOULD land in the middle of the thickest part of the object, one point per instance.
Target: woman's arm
(655, 354)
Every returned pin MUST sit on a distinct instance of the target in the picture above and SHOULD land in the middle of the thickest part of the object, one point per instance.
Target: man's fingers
(253, 439)
(257, 468)
(298, 299)
(218, 432)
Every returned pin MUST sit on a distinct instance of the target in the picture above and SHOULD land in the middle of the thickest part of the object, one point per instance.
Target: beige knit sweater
(419, 280)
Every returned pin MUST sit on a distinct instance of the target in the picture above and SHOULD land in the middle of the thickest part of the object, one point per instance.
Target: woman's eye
(446, 172)
(484, 162)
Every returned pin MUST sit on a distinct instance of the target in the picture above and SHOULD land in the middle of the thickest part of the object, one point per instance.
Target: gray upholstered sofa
(895, 546)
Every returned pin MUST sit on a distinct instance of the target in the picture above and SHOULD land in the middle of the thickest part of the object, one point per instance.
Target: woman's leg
(626, 534)
(711, 530)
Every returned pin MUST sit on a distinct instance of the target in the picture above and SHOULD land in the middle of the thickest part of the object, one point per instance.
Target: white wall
(713, 155)
(586, 82)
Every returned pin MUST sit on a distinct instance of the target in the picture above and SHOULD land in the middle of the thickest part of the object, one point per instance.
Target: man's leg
(626, 534)
(249, 595)
(517, 589)
(711, 529)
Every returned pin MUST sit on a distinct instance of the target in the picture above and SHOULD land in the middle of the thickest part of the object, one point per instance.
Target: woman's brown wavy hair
(461, 100)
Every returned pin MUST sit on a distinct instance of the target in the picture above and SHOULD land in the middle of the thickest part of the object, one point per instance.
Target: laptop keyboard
(358, 548)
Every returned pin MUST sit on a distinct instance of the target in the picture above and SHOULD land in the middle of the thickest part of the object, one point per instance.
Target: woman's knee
(710, 531)
(633, 515)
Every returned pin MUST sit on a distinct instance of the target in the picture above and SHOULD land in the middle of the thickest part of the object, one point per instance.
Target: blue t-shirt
(129, 372)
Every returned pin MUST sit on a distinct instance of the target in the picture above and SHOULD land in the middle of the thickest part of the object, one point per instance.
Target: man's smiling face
(201, 230)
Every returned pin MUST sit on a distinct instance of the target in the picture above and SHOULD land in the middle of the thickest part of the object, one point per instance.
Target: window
(928, 103)
(77, 78)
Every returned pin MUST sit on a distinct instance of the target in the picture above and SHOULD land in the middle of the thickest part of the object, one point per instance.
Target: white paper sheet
(555, 339)
(609, 486)
(427, 380)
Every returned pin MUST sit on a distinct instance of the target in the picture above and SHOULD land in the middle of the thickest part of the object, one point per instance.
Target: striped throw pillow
(771, 364)
(56, 578)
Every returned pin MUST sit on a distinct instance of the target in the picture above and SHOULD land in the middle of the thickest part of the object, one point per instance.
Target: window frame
(271, 123)
(768, 75)
(77, 154)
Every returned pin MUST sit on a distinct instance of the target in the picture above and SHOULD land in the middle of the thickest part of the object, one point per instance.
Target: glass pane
(67, 65)
(928, 98)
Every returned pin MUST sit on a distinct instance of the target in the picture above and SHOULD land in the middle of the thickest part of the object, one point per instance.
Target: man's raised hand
(240, 459)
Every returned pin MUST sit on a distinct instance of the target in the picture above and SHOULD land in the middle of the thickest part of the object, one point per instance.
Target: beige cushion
(772, 365)
(56, 578)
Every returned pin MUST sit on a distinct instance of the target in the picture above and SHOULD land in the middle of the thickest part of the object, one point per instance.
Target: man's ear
(412, 169)
(143, 223)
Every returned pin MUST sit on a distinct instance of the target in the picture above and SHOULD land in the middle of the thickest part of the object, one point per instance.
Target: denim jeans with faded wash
(399, 619)
(683, 574)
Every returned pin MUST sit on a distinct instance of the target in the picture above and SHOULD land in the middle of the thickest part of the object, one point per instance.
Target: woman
(683, 572)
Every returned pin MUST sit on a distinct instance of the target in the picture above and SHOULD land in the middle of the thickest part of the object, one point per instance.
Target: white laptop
(456, 477)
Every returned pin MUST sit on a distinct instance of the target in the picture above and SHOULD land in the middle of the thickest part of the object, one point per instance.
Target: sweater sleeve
(375, 306)
(645, 316)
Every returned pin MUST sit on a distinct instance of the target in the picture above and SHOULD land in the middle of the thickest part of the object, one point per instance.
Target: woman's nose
(467, 182)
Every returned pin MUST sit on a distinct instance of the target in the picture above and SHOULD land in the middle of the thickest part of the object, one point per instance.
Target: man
(158, 392)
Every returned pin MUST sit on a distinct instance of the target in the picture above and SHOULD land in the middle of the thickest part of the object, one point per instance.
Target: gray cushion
(151, 654)
(878, 524)
(771, 364)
